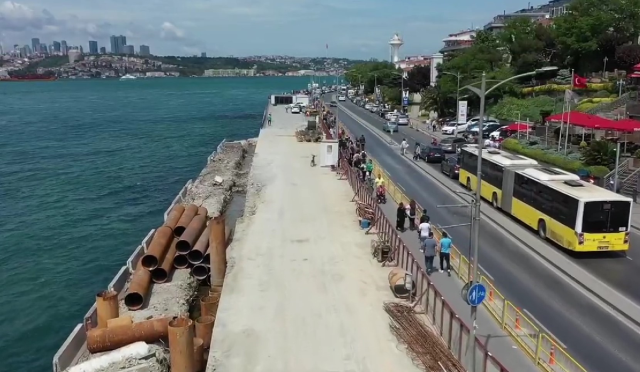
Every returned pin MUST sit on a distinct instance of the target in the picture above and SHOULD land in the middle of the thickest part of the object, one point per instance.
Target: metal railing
(622, 167)
(546, 353)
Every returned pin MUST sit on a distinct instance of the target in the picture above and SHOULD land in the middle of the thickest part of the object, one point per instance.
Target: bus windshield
(605, 217)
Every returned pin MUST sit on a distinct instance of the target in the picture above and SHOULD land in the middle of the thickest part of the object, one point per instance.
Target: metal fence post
(538, 348)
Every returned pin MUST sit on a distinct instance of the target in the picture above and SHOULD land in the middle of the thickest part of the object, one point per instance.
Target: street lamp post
(457, 75)
(482, 93)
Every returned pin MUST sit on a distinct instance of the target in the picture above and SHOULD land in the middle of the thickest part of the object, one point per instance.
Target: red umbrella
(519, 127)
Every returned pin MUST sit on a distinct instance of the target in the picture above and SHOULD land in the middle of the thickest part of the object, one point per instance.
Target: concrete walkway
(301, 293)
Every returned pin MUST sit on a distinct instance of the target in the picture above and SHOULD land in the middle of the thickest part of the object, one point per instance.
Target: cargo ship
(30, 77)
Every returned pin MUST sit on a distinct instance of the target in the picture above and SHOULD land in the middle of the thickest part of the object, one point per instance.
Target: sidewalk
(498, 341)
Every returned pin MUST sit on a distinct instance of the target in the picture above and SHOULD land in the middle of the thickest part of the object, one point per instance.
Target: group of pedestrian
(408, 211)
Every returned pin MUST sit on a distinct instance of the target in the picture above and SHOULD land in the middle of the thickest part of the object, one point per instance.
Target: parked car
(431, 154)
(451, 167)
(453, 128)
(295, 109)
(374, 108)
(473, 128)
(488, 129)
(367, 106)
(390, 126)
(333, 104)
(403, 120)
(451, 144)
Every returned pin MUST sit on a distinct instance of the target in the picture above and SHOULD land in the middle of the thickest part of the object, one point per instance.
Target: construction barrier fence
(541, 348)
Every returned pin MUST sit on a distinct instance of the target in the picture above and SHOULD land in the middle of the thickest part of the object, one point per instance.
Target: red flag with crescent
(579, 82)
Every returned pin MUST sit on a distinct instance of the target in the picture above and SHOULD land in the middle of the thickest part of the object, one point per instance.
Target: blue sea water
(86, 170)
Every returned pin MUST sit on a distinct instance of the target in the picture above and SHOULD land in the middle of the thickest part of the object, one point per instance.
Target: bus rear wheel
(469, 184)
(494, 200)
(542, 230)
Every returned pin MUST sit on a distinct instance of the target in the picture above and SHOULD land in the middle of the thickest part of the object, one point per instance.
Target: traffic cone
(552, 356)
(518, 327)
(490, 295)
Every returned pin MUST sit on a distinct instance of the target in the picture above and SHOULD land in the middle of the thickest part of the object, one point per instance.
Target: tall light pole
(401, 74)
(482, 93)
(457, 75)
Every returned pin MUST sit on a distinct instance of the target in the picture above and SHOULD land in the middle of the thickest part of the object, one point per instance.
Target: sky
(358, 29)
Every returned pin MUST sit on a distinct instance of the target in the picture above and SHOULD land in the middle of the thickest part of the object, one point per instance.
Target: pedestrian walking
(424, 229)
(445, 252)
(429, 248)
(412, 215)
(401, 215)
(269, 120)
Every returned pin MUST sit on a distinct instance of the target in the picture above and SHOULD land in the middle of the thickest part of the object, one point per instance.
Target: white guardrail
(66, 356)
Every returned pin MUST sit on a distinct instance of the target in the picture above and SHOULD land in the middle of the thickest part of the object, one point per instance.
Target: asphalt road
(599, 340)
(613, 268)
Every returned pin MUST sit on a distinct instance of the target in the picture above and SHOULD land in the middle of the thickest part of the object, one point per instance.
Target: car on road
(333, 104)
(374, 108)
(451, 167)
(368, 105)
(453, 128)
(383, 113)
(431, 154)
(451, 144)
(473, 128)
(490, 128)
(342, 98)
(403, 120)
(390, 126)
(295, 109)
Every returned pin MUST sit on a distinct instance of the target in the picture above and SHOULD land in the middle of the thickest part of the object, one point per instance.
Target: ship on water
(29, 77)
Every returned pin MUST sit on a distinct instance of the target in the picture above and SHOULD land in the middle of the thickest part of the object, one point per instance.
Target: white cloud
(170, 32)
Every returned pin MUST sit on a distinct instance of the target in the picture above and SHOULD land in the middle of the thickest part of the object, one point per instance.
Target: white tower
(395, 43)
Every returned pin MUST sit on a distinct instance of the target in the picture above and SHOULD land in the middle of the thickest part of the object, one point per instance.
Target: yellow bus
(574, 214)
(494, 162)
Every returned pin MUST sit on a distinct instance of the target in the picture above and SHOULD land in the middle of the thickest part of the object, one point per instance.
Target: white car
(296, 109)
(367, 106)
(402, 120)
(342, 98)
(453, 128)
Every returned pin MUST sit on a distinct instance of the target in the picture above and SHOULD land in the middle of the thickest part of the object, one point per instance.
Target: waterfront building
(35, 44)
(74, 55)
(144, 50)
(128, 49)
(230, 72)
(93, 47)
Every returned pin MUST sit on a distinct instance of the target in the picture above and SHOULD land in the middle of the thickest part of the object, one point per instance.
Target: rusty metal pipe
(189, 212)
(107, 339)
(161, 273)
(196, 255)
(198, 354)
(180, 261)
(204, 329)
(181, 348)
(123, 320)
(209, 304)
(106, 307)
(217, 249)
(200, 271)
(206, 259)
(174, 216)
(138, 288)
(158, 248)
(191, 234)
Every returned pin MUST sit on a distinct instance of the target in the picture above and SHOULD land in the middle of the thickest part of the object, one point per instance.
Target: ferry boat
(30, 77)
(128, 77)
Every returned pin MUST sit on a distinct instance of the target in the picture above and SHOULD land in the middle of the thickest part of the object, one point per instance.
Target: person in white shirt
(487, 143)
(404, 145)
(424, 230)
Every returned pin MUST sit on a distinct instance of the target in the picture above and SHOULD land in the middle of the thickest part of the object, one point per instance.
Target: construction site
(261, 264)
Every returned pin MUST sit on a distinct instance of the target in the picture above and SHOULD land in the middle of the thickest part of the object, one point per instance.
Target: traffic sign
(476, 294)
(405, 101)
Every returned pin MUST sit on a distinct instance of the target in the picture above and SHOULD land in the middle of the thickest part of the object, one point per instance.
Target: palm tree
(433, 99)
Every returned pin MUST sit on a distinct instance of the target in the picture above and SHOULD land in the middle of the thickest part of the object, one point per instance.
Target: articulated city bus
(572, 213)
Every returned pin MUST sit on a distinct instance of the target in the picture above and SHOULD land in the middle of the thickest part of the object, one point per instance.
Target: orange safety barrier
(543, 350)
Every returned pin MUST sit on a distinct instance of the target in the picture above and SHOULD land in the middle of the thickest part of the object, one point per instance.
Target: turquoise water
(86, 170)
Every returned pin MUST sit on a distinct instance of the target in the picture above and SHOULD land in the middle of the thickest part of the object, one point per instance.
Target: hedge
(562, 88)
(552, 158)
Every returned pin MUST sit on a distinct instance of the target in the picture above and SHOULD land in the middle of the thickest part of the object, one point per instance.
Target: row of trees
(589, 36)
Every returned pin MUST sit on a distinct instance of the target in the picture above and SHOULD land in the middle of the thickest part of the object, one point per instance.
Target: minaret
(395, 43)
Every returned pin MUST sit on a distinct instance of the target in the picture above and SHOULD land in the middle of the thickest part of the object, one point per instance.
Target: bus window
(605, 217)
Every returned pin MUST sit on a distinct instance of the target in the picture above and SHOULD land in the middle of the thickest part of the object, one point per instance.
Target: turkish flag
(579, 82)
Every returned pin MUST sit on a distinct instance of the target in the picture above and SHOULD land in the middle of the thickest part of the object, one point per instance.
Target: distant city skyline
(355, 29)
(118, 45)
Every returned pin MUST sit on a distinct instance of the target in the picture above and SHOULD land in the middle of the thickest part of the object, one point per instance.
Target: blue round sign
(476, 294)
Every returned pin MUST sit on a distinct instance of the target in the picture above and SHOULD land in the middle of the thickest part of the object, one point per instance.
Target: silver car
(403, 120)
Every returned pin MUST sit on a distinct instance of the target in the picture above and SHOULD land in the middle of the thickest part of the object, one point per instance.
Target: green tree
(371, 73)
(418, 79)
(530, 45)
(432, 99)
(628, 56)
(599, 153)
(593, 29)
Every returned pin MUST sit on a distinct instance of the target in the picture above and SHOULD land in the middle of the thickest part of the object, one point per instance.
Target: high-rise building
(63, 47)
(203, 55)
(144, 50)
(42, 48)
(103, 50)
(35, 44)
(93, 47)
(128, 49)
(56, 47)
(81, 49)
(118, 43)
(51, 49)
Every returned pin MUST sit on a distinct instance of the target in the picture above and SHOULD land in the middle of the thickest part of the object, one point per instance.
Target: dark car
(451, 144)
(451, 167)
(487, 130)
(333, 104)
(431, 154)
